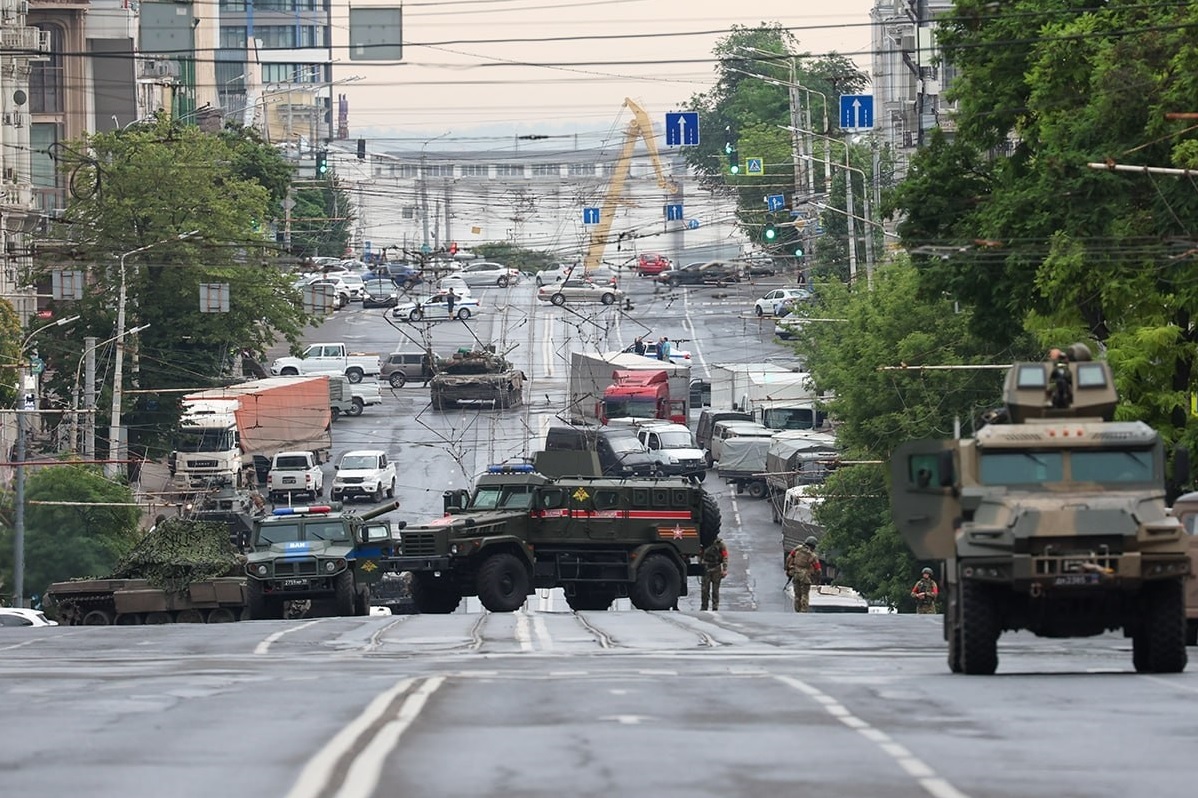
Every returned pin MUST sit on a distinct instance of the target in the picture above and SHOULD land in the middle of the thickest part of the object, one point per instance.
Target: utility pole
(849, 207)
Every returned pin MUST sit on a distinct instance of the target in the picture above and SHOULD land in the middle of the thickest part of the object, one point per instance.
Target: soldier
(450, 299)
(802, 566)
(925, 593)
(638, 346)
(715, 568)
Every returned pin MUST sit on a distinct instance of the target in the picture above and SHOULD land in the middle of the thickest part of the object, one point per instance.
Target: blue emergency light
(313, 509)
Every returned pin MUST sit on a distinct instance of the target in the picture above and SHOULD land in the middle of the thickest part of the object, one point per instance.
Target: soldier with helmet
(925, 593)
(715, 568)
(802, 566)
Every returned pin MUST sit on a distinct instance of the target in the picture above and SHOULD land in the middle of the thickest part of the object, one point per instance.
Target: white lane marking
(265, 645)
(522, 632)
(547, 344)
(363, 777)
(316, 774)
(696, 350)
(916, 768)
(542, 632)
(19, 645)
(1171, 683)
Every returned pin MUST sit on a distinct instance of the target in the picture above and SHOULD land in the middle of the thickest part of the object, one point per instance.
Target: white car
(578, 291)
(487, 273)
(456, 283)
(676, 355)
(776, 302)
(557, 274)
(356, 286)
(436, 307)
(16, 616)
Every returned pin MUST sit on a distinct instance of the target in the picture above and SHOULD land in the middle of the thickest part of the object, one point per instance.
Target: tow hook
(1035, 590)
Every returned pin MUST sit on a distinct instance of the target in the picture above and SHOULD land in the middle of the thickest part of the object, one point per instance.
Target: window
(509, 170)
(438, 170)
(475, 170)
(547, 170)
(1031, 375)
(1021, 468)
(1111, 467)
(45, 78)
(292, 73)
(232, 37)
(409, 170)
(581, 170)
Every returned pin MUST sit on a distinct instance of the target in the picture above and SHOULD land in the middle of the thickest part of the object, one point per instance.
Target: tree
(70, 541)
(321, 220)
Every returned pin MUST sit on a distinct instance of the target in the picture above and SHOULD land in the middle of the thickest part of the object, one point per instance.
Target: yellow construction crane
(638, 128)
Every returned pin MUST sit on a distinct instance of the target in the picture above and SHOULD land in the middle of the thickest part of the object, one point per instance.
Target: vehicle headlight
(330, 566)
(262, 570)
(454, 549)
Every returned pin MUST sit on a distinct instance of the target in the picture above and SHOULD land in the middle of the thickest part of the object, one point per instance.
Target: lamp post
(114, 428)
(18, 520)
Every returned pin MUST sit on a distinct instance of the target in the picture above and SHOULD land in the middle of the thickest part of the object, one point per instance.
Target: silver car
(578, 291)
(487, 273)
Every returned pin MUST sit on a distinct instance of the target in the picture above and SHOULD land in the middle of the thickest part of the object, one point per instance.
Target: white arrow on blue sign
(856, 111)
(590, 216)
(682, 129)
(775, 202)
(693, 224)
(674, 213)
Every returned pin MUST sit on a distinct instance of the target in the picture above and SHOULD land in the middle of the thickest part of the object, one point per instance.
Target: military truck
(597, 538)
(476, 376)
(315, 553)
(1055, 522)
(1185, 510)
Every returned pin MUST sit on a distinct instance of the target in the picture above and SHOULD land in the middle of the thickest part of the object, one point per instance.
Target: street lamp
(114, 428)
(18, 520)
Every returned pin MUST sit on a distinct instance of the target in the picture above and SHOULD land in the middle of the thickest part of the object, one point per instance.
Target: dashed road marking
(265, 645)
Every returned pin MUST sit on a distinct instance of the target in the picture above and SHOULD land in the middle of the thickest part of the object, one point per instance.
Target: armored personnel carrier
(476, 376)
(1055, 521)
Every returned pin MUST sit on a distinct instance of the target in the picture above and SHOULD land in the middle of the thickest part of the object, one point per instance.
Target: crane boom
(639, 127)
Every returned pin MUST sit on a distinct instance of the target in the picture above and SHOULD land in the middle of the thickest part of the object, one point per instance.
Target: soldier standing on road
(715, 568)
(802, 566)
(638, 345)
(925, 593)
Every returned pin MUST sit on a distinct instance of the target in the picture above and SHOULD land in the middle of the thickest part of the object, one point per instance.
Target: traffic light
(453, 247)
(769, 233)
(798, 250)
(730, 151)
(361, 149)
(322, 164)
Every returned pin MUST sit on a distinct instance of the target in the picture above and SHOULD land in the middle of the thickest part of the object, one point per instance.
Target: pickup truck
(364, 474)
(294, 472)
(328, 359)
(349, 399)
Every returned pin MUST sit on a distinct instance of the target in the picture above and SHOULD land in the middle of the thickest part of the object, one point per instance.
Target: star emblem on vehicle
(677, 532)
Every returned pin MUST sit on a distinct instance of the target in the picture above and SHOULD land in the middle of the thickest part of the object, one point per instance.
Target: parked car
(401, 367)
(651, 263)
(17, 616)
(676, 355)
(758, 265)
(786, 326)
(436, 307)
(379, 292)
(456, 283)
(356, 286)
(578, 291)
(339, 286)
(556, 274)
(777, 302)
(402, 274)
(364, 474)
(486, 273)
(716, 272)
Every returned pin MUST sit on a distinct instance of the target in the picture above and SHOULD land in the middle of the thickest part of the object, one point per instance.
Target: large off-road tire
(356, 407)
(589, 597)
(397, 379)
(463, 314)
(98, 618)
(658, 584)
(756, 489)
(1192, 633)
(345, 597)
(1164, 624)
(354, 375)
(558, 299)
(709, 520)
(260, 606)
(432, 596)
(1140, 646)
(952, 631)
(362, 601)
(503, 583)
(336, 413)
(979, 629)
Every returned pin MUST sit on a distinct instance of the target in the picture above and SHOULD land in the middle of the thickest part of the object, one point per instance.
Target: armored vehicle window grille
(1021, 468)
(1111, 467)
(553, 498)
(680, 498)
(640, 497)
(1032, 375)
(1091, 375)
(278, 533)
(306, 566)
(661, 497)
(332, 530)
(607, 499)
(419, 544)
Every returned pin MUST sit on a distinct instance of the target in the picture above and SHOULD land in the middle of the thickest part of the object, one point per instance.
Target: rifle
(789, 579)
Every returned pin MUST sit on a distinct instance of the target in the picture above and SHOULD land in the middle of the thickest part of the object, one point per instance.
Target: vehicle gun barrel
(377, 511)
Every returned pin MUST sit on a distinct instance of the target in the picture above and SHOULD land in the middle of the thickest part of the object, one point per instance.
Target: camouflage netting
(475, 361)
(178, 552)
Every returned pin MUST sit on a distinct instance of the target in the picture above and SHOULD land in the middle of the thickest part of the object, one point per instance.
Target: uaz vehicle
(597, 539)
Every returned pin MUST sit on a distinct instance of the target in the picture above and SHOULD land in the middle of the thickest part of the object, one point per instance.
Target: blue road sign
(590, 216)
(754, 166)
(682, 129)
(366, 247)
(674, 213)
(856, 111)
(693, 224)
(775, 202)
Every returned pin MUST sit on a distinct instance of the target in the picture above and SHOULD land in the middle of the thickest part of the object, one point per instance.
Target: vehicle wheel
(756, 489)
(952, 630)
(128, 619)
(221, 615)
(608, 299)
(354, 375)
(391, 490)
(397, 379)
(1192, 633)
(190, 616)
(979, 629)
(157, 618)
(260, 607)
(1164, 626)
(344, 596)
(433, 596)
(710, 460)
(463, 314)
(709, 520)
(377, 496)
(540, 282)
(760, 312)
(558, 299)
(290, 372)
(658, 584)
(416, 314)
(356, 407)
(336, 412)
(362, 602)
(1140, 652)
(592, 598)
(503, 583)
(98, 618)
(673, 282)
(502, 282)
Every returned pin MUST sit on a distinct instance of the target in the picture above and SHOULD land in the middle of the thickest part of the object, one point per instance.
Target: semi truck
(223, 429)
(591, 376)
(635, 395)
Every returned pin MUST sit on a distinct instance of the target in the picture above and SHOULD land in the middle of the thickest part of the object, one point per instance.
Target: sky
(467, 63)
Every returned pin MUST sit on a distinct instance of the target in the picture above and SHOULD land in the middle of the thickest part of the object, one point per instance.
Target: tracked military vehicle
(1055, 521)
(476, 377)
(596, 538)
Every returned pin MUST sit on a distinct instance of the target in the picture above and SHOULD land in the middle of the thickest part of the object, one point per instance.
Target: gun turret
(377, 511)
(1067, 385)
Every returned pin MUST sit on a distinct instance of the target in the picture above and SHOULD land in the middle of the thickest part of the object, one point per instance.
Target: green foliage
(10, 353)
(70, 541)
(321, 221)
(517, 257)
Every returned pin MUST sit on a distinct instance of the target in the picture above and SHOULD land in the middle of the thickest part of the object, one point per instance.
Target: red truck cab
(640, 394)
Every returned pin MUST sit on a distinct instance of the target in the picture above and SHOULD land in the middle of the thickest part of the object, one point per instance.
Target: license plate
(1069, 580)
(295, 583)
(288, 480)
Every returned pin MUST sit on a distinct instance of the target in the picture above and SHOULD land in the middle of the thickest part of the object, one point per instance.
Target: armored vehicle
(1055, 522)
(315, 553)
(597, 538)
(478, 376)
(1185, 510)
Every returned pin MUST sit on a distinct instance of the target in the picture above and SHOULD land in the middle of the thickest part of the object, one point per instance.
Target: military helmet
(927, 571)
(810, 542)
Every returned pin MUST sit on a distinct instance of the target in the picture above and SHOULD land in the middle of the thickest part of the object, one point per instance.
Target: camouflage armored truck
(597, 538)
(1055, 522)
(1185, 510)
(476, 376)
(316, 554)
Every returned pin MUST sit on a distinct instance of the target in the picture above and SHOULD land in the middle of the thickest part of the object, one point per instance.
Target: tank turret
(1069, 384)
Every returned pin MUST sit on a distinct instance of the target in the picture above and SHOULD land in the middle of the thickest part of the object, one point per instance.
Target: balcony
(25, 41)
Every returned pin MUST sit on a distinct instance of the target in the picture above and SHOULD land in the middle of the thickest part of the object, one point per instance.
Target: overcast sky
(457, 76)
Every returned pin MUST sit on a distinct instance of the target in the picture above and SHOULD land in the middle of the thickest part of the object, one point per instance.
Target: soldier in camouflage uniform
(925, 593)
(715, 568)
(802, 566)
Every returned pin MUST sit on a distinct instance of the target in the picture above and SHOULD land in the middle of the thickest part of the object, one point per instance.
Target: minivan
(620, 451)
(708, 419)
